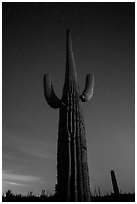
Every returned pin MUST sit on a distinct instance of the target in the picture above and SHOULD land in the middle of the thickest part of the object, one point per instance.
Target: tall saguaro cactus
(72, 167)
(114, 183)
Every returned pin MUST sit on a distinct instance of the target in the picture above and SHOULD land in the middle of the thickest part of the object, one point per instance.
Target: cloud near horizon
(7, 176)
(13, 183)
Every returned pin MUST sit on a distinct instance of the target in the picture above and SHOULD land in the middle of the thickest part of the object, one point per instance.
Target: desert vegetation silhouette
(9, 196)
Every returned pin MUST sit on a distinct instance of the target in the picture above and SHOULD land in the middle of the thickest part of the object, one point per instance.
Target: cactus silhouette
(72, 167)
(114, 183)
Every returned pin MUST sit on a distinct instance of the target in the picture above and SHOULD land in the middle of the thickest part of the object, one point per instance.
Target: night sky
(34, 37)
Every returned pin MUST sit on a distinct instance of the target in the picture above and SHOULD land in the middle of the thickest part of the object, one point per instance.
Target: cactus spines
(72, 167)
(114, 183)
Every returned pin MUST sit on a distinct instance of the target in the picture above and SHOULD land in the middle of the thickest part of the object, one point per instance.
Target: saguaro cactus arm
(89, 86)
(49, 93)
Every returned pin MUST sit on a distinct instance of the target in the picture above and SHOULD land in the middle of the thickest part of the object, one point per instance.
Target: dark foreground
(32, 198)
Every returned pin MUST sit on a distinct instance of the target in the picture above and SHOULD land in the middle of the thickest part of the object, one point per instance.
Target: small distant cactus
(72, 168)
(114, 183)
